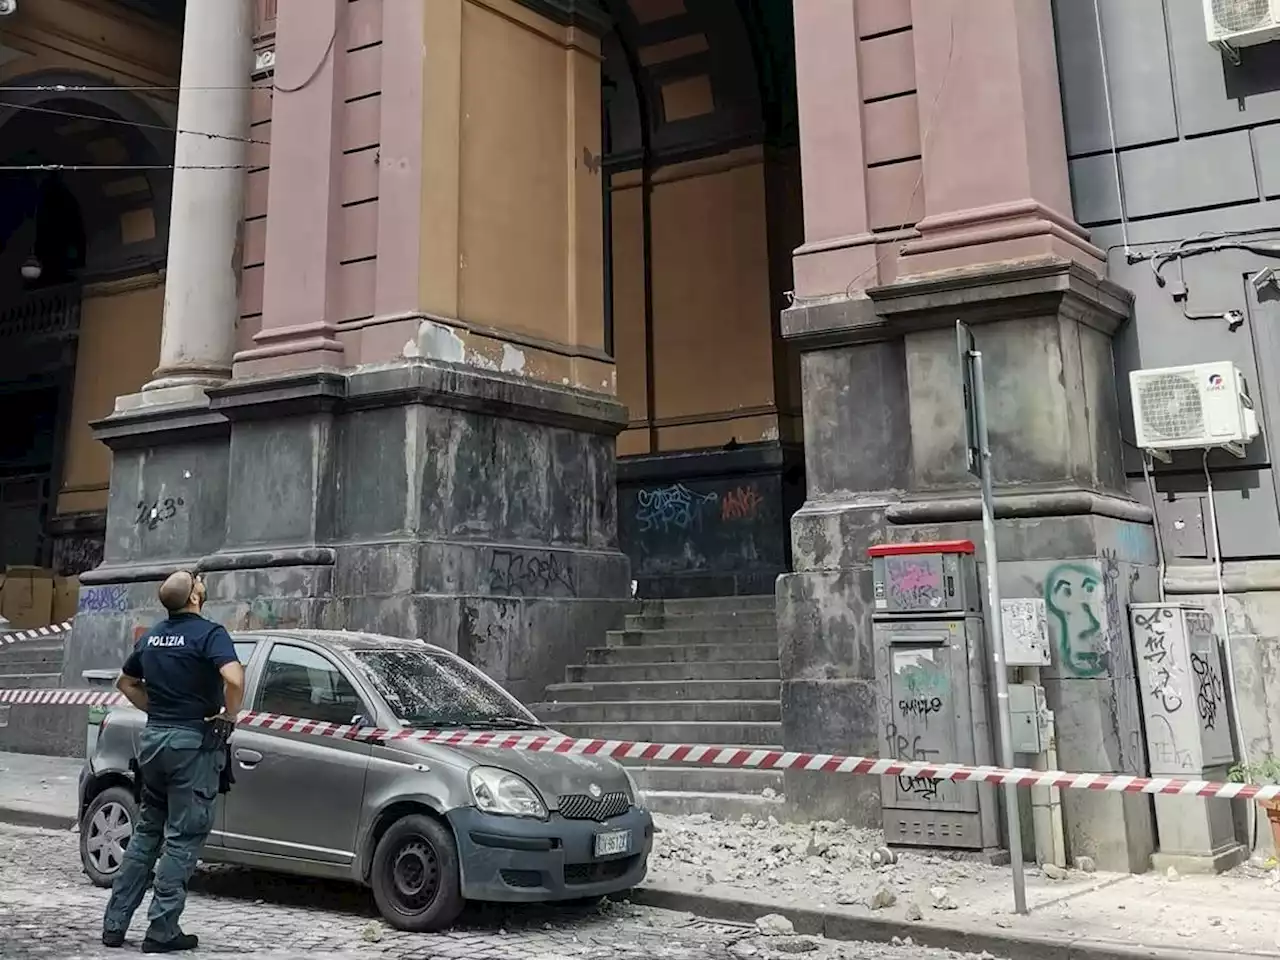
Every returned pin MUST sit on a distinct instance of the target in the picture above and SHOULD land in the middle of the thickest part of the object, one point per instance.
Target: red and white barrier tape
(36, 633)
(698, 754)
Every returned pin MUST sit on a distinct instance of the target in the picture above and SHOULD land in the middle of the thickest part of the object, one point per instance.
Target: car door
(245, 647)
(296, 795)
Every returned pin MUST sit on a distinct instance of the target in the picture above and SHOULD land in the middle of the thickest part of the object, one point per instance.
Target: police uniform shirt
(179, 661)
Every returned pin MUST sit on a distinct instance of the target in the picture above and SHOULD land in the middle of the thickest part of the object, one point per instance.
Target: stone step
(22, 667)
(702, 621)
(651, 711)
(721, 806)
(692, 653)
(28, 681)
(709, 605)
(666, 690)
(23, 647)
(683, 638)
(666, 672)
(682, 778)
(17, 654)
(716, 734)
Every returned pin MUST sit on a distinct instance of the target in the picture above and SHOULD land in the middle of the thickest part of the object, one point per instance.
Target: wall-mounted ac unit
(1241, 23)
(1191, 408)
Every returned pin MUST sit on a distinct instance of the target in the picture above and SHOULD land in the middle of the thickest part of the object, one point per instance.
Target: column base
(472, 509)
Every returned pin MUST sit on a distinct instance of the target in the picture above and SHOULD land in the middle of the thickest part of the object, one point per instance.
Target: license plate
(612, 844)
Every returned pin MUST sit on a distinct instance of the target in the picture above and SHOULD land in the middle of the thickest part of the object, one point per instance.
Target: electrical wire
(1226, 632)
(1155, 522)
(117, 167)
(1111, 125)
(137, 124)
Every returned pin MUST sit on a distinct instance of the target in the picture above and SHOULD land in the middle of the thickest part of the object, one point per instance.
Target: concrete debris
(1086, 865)
(794, 945)
(1172, 875)
(372, 932)
(883, 898)
(775, 925)
(914, 912)
(942, 900)
(1053, 871)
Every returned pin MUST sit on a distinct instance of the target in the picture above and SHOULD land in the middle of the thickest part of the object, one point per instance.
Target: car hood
(553, 774)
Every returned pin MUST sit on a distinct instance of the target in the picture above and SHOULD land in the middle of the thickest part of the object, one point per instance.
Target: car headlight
(637, 797)
(502, 792)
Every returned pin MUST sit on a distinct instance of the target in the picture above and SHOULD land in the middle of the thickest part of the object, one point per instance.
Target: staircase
(32, 663)
(684, 671)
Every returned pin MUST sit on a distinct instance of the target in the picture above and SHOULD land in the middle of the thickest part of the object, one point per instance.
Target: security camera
(8, 7)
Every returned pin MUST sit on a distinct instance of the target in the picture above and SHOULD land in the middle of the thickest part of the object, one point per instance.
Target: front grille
(578, 806)
(522, 878)
(581, 874)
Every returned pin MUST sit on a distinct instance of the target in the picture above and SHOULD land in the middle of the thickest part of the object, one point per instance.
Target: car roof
(350, 641)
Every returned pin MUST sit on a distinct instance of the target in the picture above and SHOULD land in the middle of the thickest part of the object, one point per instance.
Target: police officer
(184, 674)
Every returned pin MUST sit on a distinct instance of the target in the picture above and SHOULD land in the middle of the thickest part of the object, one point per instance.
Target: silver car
(426, 826)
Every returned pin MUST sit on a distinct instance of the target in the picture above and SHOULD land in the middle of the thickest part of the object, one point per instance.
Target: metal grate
(581, 874)
(1233, 16)
(523, 879)
(577, 806)
(1171, 406)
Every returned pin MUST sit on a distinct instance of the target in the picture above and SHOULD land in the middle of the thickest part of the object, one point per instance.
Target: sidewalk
(821, 878)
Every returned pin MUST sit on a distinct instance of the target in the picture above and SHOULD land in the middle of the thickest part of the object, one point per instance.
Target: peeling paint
(438, 342)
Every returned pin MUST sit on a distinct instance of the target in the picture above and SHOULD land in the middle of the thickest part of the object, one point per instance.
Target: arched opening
(702, 213)
(83, 206)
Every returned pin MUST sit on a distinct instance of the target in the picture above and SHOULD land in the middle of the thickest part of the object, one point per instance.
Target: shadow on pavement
(236, 883)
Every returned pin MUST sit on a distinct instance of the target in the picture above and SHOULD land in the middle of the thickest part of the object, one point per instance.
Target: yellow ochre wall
(119, 348)
(713, 305)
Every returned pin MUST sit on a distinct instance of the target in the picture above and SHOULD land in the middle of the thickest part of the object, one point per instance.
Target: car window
(299, 683)
(426, 689)
(244, 649)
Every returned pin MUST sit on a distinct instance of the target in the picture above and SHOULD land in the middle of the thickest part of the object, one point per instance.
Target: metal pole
(995, 637)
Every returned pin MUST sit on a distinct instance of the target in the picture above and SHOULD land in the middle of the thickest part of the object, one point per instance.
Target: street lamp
(31, 268)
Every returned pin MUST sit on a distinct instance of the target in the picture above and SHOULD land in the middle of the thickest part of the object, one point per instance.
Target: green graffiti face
(1074, 595)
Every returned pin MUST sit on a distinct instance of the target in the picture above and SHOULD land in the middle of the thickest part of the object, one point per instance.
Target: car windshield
(428, 689)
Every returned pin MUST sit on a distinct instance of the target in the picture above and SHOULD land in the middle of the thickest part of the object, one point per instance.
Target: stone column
(993, 244)
(202, 286)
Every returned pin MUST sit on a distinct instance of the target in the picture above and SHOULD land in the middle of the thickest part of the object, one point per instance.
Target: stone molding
(1007, 291)
(584, 14)
(1018, 506)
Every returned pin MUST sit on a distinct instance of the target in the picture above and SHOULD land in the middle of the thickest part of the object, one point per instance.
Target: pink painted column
(303, 202)
(995, 164)
(838, 243)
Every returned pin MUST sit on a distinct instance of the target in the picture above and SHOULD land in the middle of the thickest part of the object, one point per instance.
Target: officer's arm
(131, 683)
(223, 654)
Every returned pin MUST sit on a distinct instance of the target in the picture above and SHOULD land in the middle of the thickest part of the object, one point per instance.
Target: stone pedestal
(423, 499)
(884, 442)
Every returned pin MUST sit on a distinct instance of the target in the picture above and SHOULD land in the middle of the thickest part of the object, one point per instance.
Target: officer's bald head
(178, 591)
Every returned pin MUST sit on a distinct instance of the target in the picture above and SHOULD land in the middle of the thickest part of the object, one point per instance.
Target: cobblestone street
(48, 909)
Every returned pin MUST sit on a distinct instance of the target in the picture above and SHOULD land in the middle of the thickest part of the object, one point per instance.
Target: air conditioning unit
(1191, 408)
(1241, 23)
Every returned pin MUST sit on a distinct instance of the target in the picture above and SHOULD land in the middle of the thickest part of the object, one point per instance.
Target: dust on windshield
(429, 690)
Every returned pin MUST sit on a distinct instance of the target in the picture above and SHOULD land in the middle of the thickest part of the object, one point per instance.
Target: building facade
(452, 318)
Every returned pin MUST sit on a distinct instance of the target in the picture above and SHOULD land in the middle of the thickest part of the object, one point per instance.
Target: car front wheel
(105, 832)
(415, 877)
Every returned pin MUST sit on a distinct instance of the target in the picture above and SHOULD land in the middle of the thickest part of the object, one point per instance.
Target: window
(244, 650)
(299, 683)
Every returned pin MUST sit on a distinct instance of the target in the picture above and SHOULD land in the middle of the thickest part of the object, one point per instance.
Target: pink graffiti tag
(741, 504)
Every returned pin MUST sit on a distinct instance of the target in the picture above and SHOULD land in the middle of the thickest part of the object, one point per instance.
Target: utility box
(932, 678)
(1182, 688)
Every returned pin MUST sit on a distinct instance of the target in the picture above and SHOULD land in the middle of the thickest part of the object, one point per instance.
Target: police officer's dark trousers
(180, 788)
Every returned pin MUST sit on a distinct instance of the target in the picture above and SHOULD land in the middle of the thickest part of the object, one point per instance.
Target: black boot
(113, 938)
(183, 941)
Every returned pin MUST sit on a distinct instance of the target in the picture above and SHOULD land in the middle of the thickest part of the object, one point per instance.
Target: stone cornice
(584, 14)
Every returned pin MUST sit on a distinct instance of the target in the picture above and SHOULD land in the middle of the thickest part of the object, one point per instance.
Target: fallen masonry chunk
(882, 898)
(1086, 864)
(942, 900)
(775, 925)
(1053, 871)
(914, 912)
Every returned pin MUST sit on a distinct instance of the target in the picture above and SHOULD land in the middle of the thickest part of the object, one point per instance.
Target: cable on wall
(1111, 126)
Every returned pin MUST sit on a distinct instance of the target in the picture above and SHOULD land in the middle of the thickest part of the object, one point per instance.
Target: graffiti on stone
(153, 513)
(675, 507)
(75, 554)
(109, 599)
(1075, 596)
(741, 503)
(538, 574)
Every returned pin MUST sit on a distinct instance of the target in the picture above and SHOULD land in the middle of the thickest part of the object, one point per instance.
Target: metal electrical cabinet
(931, 672)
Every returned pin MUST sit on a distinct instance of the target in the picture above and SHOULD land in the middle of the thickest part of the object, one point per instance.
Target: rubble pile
(822, 863)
